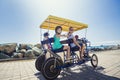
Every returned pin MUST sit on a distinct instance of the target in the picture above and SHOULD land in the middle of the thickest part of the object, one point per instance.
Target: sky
(20, 19)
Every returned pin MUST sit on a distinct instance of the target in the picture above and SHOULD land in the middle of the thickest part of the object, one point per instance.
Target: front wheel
(94, 60)
(49, 70)
(39, 62)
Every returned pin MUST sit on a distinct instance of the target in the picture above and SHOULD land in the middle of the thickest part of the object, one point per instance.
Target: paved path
(108, 69)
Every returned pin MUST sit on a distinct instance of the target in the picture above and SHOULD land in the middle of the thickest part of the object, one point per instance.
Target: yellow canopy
(52, 21)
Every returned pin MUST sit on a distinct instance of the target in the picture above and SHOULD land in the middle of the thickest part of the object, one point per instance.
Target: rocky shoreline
(14, 50)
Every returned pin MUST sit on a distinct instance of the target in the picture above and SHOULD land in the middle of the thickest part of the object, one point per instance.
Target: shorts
(61, 48)
(58, 50)
(76, 48)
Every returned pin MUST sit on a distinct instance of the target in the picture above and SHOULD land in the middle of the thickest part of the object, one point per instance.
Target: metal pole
(49, 24)
(40, 34)
(85, 32)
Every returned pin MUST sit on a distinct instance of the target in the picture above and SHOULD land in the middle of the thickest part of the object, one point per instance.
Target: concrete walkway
(108, 69)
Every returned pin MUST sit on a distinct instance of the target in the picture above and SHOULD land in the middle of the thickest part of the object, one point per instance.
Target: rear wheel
(39, 62)
(94, 60)
(49, 70)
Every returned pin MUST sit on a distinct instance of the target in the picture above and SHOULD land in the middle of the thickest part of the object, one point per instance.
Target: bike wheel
(39, 62)
(49, 70)
(94, 60)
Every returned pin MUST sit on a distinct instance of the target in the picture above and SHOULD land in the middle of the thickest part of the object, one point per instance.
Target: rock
(38, 46)
(25, 46)
(1, 48)
(8, 48)
(36, 51)
(22, 46)
(21, 51)
(18, 55)
(3, 56)
(29, 46)
(29, 54)
(15, 55)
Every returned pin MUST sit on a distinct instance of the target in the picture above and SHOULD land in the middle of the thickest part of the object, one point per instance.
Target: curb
(15, 59)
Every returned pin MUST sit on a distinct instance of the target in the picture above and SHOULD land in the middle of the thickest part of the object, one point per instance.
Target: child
(57, 44)
(46, 37)
(75, 45)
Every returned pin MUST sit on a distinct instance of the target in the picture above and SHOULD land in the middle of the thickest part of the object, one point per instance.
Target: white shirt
(71, 37)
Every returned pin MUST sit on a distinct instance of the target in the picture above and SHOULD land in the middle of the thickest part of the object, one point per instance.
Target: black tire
(39, 62)
(48, 70)
(94, 60)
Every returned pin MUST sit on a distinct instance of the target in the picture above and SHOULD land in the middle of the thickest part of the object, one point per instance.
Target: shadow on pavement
(84, 72)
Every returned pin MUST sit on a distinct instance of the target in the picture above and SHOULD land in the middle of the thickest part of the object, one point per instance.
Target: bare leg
(68, 51)
(82, 50)
(80, 54)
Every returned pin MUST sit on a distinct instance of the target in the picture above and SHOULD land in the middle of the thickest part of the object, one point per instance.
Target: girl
(75, 45)
(57, 44)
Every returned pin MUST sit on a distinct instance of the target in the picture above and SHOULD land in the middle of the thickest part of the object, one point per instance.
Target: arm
(74, 40)
(63, 35)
